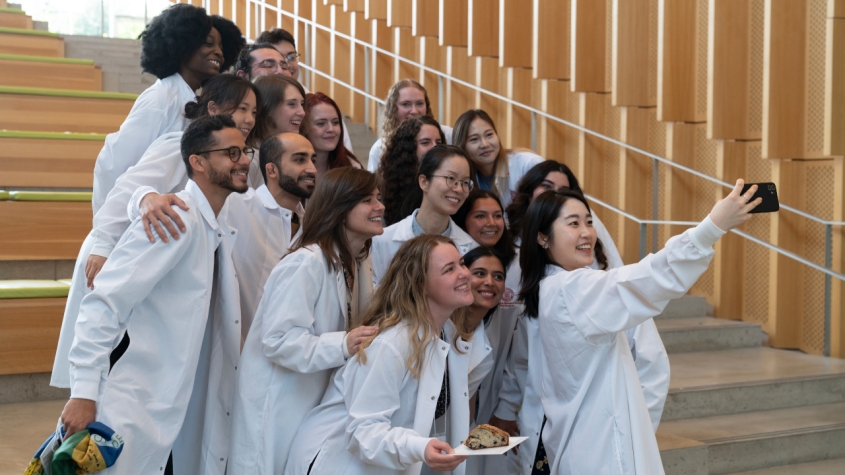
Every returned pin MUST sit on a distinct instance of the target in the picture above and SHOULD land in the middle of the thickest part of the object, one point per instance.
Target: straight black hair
(429, 164)
(505, 246)
(529, 182)
(199, 135)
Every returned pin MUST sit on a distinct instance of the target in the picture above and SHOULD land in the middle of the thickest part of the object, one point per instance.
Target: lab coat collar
(178, 81)
(552, 269)
(204, 206)
(405, 232)
(269, 201)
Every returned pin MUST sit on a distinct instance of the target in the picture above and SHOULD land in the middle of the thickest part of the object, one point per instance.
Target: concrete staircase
(737, 407)
(119, 59)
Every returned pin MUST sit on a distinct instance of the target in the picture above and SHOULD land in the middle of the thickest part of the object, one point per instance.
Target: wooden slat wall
(752, 88)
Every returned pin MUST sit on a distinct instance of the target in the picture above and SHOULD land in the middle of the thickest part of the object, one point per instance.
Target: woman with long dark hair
(442, 186)
(404, 398)
(597, 420)
(308, 322)
(323, 127)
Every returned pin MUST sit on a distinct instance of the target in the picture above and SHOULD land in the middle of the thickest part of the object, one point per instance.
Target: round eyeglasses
(234, 152)
(451, 181)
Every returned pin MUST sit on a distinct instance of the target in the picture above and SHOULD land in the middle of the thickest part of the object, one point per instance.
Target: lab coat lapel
(431, 381)
(404, 229)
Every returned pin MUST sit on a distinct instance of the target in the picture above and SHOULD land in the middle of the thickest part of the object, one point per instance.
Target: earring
(546, 245)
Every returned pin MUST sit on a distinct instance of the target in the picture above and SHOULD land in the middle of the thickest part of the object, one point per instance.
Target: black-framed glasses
(234, 152)
(272, 64)
(293, 57)
(466, 185)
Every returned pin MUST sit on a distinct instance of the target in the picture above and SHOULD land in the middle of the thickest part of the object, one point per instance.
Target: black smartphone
(769, 193)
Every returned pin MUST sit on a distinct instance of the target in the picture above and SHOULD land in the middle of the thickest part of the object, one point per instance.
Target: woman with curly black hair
(397, 171)
(183, 47)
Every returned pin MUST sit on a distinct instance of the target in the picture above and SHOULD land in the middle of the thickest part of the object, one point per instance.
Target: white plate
(464, 450)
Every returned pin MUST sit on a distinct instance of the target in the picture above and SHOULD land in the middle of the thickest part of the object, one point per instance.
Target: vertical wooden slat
(514, 123)
(360, 29)
(729, 285)
(784, 78)
(678, 186)
(483, 28)
(426, 19)
(634, 171)
(676, 58)
(551, 39)
(592, 153)
(630, 62)
(834, 103)
(486, 75)
(381, 65)
(354, 6)
(837, 314)
(557, 141)
(727, 69)
(375, 9)
(399, 13)
(458, 98)
(452, 23)
(322, 49)
(405, 46)
(587, 61)
(516, 21)
(341, 57)
(434, 56)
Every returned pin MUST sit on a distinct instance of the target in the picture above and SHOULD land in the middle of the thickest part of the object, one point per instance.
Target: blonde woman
(496, 168)
(406, 98)
(403, 400)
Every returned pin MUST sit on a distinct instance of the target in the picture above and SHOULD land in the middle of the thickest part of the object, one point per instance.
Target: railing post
(310, 55)
(828, 262)
(367, 85)
(534, 131)
(655, 202)
(440, 99)
(643, 240)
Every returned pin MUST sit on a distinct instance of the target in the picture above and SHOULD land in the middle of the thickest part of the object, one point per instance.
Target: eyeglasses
(293, 57)
(234, 152)
(272, 64)
(451, 181)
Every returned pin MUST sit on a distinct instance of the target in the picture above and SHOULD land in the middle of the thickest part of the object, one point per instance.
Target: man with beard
(171, 391)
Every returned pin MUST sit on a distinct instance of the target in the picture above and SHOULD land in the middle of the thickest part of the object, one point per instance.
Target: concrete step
(822, 467)
(744, 380)
(762, 439)
(683, 335)
(686, 306)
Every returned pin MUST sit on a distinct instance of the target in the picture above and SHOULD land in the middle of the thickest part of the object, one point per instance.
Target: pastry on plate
(486, 436)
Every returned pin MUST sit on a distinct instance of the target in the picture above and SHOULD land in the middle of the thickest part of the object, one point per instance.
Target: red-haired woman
(324, 129)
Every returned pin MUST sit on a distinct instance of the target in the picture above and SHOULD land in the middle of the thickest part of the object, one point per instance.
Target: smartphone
(769, 193)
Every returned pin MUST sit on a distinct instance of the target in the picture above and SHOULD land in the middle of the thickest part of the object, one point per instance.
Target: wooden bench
(31, 42)
(62, 110)
(14, 18)
(44, 225)
(48, 159)
(30, 321)
(45, 72)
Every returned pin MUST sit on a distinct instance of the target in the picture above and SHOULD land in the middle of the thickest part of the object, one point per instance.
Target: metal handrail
(534, 111)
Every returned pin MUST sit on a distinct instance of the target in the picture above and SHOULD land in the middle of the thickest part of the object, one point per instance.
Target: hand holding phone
(769, 193)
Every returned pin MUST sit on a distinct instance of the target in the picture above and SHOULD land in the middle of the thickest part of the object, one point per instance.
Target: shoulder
(395, 340)
(460, 236)
(524, 159)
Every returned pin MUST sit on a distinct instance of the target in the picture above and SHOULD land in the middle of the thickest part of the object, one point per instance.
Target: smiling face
(324, 132)
(443, 199)
(206, 61)
(485, 222)
(447, 288)
(243, 113)
(289, 114)
(288, 50)
(364, 220)
(426, 138)
(266, 61)
(297, 173)
(410, 103)
(487, 281)
(482, 146)
(553, 182)
(222, 172)
(573, 236)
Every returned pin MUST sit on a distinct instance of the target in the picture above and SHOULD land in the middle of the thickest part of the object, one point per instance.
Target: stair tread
(693, 323)
(821, 467)
(703, 369)
(751, 425)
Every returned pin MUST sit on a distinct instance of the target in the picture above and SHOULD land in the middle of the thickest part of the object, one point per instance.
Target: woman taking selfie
(307, 323)
(597, 417)
(403, 399)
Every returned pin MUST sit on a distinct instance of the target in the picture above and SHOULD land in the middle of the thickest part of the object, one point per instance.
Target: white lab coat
(388, 243)
(597, 418)
(158, 110)
(177, 377)
(161, 169)
(297, 340)
(519, 162)
(376, 417)
(378, 146)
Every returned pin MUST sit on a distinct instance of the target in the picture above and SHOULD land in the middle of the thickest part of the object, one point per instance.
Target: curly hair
(178, 32)
(397, 169)
(390, 122)
(525, 190)
(227, 91)
(339, 157)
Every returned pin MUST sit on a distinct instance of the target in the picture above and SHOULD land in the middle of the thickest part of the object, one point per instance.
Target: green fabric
(22, 31)
(40, 91)
(23, 134)
(4, 195)
(45, 59)
(50, 196)
(32, 289)
(11, 10)
(63, 463)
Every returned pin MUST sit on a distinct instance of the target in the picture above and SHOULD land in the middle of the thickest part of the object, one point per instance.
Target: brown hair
(272, 91)
(337, 192)
(401, 299)
(339, 157)
(390, 122)
(459, 138)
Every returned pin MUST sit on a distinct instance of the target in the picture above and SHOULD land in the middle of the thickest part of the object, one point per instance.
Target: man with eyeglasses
(261, 59)
(171, 391)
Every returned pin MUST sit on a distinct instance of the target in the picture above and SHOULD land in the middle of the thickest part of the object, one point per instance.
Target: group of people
(252, 300)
